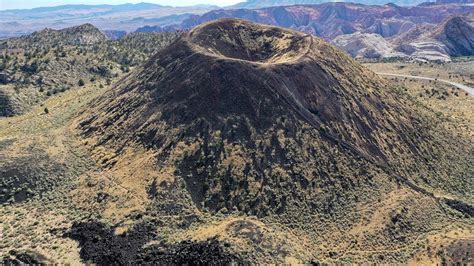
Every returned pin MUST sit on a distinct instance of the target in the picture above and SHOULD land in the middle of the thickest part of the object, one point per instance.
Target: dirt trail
(463, 87)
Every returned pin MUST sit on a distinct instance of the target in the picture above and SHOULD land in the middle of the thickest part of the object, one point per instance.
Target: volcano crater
(235, 39)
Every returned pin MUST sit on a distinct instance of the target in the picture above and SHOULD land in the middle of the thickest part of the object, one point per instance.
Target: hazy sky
(13, 4)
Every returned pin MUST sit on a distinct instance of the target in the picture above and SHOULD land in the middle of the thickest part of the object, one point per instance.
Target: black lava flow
(100, 245)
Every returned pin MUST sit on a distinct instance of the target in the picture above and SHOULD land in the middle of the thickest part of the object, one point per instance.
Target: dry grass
(453, 103)
(31, 225)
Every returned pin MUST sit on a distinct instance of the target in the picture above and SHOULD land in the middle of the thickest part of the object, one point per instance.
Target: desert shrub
(30, 68)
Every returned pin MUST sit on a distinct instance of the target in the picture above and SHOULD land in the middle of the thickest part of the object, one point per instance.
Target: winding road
(463, 87)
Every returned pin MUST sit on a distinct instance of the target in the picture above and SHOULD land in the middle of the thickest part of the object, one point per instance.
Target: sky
(22, 4)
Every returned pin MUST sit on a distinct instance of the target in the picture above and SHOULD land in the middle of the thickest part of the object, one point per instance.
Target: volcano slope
(236, 119)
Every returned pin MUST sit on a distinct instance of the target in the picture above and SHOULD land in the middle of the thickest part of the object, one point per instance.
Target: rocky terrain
(457, 34)
(47, 62)
(234, 142)
(329, 20)
(129, 17)
(451, 38)
(366, 45)
(365, 31)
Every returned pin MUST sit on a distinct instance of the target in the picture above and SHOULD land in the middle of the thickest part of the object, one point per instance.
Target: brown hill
(260, 119)
(36, 66)
(452, 37)
(457, 34)
(85, 34)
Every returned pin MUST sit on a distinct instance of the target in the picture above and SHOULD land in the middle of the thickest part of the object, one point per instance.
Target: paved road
(467, 89)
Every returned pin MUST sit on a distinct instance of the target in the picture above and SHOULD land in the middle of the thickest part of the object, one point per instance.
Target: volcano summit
(262, 121)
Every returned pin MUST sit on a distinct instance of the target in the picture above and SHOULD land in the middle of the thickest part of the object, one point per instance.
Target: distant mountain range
(330, 20)
(372, 31)
(126, 17)
(269, 3)
(452, 37)
(111, 8)
(130, 17)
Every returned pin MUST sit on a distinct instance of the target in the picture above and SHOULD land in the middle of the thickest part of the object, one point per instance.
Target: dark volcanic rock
(100, 245)
(6, 107)
(4, 78)
(209, 252)
(462, 207)
(23, 258)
